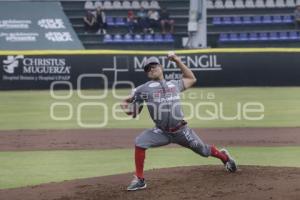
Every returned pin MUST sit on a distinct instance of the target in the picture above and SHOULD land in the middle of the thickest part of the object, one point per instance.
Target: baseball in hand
(171, 53)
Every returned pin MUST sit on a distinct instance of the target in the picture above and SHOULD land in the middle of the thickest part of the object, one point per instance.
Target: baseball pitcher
(163, 102)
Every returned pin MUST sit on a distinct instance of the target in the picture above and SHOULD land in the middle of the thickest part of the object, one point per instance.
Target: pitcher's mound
(197, 182)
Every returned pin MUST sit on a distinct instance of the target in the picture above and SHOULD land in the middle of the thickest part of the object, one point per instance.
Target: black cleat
(137, 184)
(230, 164)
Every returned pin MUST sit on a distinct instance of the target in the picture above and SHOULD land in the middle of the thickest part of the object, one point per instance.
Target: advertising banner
(93, 70)
(35, 25)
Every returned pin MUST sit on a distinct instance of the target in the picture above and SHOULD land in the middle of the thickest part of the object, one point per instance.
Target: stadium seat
(135, 4)
(126, 5)
(107, 38)
(283, 36)
(277, 19)
(210, 4)
(279, 4)
(219, 4)
(260, 4)
(158, 37)
(244, 36)
(287, 19)
(120, 21)
(168, 38)
(239, 4)
(128, 38)
(227, 20)
(270, 4)
(89, 5)
(290, 3)
(263, 36)
(266, 19)
(138, 38)
(223, 37)
(110, 21)
(116, 5)
(107, 5)
(247, 20)
(237, 20)
(117, 38)
(233, 37)
(148, 38)
(217, 21)
(273, 36)
(249, 4)
(294, 35)
(257, 19)
(154, 5)
(253, 36)
(229, 4)
(145, 4)
(98, 4)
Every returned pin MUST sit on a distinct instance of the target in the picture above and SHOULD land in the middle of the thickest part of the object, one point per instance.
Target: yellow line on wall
(158, 52)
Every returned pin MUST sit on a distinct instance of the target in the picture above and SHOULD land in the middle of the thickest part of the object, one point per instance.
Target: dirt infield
(203, 182)
(124, 138)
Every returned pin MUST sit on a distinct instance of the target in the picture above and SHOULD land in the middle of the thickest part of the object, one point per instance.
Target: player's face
(155, 72)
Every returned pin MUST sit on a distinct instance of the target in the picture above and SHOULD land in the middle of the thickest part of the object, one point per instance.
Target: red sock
(139, 161)
(217, 154)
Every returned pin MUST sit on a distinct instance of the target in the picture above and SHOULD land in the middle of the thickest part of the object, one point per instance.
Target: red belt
(176, 128)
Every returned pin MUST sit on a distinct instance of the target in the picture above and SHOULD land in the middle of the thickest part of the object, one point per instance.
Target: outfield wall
(100, 68)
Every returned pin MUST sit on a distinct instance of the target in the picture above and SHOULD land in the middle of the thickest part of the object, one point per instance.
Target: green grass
(19, 169)
(31, 109)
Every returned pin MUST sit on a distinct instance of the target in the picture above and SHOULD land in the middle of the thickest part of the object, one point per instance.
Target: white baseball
(171, 53)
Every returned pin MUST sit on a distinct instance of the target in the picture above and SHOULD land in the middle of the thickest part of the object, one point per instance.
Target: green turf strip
(34, 167)
(31, 109)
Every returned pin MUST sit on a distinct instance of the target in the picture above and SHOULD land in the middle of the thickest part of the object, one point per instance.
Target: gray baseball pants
(185, 137)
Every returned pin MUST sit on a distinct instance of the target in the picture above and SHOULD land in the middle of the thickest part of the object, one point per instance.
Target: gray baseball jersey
(163, 102)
